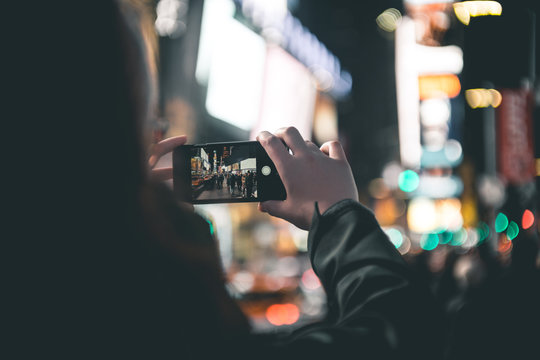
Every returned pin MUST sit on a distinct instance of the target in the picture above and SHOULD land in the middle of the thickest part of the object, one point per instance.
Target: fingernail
(263, 134)
(152, 160)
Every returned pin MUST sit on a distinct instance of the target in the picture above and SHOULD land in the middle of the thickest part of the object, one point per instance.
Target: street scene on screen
(224, 172)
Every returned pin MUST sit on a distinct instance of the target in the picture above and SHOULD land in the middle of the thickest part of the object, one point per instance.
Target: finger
(334, 150)
(291, 136)
(161, 174)
(272, 207)
(274, 147)
(165, 146)
(311, 145)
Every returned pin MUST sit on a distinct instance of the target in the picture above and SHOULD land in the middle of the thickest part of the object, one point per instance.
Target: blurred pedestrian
(504, 306)
(249, 184)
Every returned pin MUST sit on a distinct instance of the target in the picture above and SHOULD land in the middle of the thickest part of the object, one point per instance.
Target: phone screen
(225, 172)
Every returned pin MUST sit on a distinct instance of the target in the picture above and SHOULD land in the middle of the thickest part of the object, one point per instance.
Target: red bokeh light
(282, 314)
(527, 220)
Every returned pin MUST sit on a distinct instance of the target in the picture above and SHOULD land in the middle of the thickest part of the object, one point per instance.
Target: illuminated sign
(301, 44)
(515, 147)
(432, 86)
(467, 9)
(289, 95)
(439, 187)
(438, 59)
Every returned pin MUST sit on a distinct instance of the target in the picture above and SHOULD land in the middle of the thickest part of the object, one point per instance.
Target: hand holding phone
(309, 174)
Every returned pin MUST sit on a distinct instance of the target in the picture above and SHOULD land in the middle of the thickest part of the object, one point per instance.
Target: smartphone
(225, 173)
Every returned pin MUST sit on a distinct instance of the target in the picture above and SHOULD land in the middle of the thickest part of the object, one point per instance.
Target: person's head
(94, 91)
(90, 259)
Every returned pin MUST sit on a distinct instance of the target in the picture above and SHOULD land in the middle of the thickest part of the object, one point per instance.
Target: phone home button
(265, 170)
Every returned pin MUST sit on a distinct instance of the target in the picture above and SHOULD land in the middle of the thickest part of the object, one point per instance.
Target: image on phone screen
(223, 172)
(226, 172)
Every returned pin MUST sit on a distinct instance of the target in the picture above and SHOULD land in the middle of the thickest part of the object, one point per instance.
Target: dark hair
(102, 258)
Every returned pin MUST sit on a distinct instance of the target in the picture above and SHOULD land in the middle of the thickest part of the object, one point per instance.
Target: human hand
(310, 174)
(160, 149)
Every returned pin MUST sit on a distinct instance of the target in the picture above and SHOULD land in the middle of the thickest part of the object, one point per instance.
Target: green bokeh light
(483, 231)
(395, 237)
(408, 181)
(459, 237)
(501, 223)
(512, 231)
(429, 241)
(446, 237)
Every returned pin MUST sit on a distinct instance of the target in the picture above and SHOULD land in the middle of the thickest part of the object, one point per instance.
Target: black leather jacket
(377, 308)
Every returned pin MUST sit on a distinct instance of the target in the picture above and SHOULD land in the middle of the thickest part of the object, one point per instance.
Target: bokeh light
(501, 222)
(512, 231)
(459, 237)
(435, 112)
(378, 189)
(408, 181)
(433, 86)
(310, 280)
(429, 241)
(472, 239)
(453, 151)
(449, 213)
(395, 237)
(483, 98)
(422, 215)
(446, 237)
(496, 98)
(390, 174)
(505, 245)
(282, 314)
(465, 10)
(483, 231)
(406, 246)
(527, 220)
(389, 20)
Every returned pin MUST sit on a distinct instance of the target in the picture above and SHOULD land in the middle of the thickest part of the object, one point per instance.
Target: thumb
(272, 207)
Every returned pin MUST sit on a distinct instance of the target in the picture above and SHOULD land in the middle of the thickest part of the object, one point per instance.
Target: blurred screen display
(250, 84)
(231, 64)
(289, 94)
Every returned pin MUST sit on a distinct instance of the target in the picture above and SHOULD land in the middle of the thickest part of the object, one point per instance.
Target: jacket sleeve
(377, 309)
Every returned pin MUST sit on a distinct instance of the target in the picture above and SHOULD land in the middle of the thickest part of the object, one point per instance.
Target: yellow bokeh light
(389, 20)
(422, 216)
(439, 85)
(496, 98)
(474, 98)
(466, 9)
(483, 98)
(462, 13)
